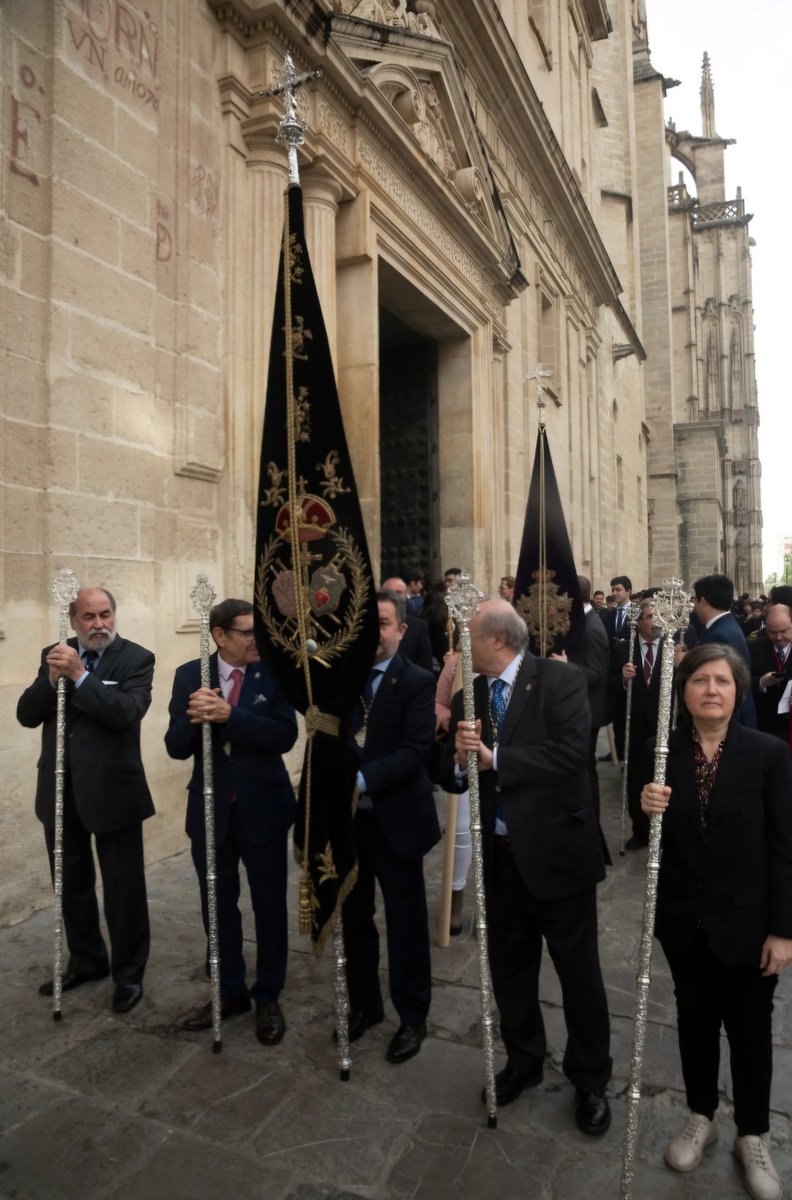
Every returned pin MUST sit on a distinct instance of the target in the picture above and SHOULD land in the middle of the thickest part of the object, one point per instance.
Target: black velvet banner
(315, 605)
(546, 589)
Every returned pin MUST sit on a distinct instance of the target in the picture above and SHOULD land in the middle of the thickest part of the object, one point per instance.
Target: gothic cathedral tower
(716, 415)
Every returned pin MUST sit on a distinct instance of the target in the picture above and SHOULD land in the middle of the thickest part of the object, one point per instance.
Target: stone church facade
(476, 180)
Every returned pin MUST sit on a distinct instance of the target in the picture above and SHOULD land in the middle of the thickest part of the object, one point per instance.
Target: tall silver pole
(64, 590)
(633, 613)
(670, 614)
(463, 603)
(203, 597)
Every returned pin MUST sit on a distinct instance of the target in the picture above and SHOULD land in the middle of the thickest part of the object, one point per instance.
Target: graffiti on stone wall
(27, 131)
(205, 195)
(163, 232)
(118, 42)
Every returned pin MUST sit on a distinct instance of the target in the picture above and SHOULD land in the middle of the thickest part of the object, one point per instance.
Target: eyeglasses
(245, 633)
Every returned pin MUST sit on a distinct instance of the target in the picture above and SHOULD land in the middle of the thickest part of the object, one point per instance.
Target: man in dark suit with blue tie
(542, 854)
(392, 733)
(105, 794)
(252, 726)
(713, 596)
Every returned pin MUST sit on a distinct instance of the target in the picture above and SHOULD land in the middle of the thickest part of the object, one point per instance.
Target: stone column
(320, 203)
(256, 203)
(358, 356)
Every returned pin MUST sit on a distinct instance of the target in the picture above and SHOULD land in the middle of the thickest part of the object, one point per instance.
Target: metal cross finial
(538, 375)
(292, 128)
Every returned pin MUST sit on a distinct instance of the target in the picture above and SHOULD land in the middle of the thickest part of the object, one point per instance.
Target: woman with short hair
(724, 903)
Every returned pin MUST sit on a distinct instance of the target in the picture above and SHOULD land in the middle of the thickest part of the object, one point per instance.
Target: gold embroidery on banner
(545, 610)
(327, 868)
(276, 494)
(332, 485)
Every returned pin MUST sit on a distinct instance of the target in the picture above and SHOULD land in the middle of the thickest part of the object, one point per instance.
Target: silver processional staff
(670, 614)
(203, 597)
(463, 603)
(64, 590)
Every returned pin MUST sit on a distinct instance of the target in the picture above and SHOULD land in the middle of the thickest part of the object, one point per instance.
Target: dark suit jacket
(644, 700)
(246, 754)
(593, 660)
(608, 619)
(542, 783)
(735, 878)
(763, 659)
(103, 720)
(399, 742)
(728, 632)
(416, 643)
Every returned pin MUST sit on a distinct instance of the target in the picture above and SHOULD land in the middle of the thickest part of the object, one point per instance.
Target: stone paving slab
(106, 1107)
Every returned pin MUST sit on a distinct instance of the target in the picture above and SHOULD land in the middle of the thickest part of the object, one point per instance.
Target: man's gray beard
(99, 641)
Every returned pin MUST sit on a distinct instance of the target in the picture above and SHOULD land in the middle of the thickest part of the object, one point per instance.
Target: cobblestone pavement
(99, 1106)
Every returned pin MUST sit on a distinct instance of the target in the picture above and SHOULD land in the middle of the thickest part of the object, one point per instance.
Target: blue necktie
(90, 659)
(498, 704)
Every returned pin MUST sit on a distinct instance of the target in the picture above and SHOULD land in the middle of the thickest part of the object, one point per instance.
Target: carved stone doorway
(408, 422)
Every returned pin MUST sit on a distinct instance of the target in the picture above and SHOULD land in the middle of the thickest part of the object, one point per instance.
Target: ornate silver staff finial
(463, 599)
(538, 375)
(65, 588)
(292, 128)
(202, 595)
(672, 606)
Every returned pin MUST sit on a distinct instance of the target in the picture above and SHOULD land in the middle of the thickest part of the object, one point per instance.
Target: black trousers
(517, 921)
(401, 881)
(120, 855)
(711, 994)
(266, 866)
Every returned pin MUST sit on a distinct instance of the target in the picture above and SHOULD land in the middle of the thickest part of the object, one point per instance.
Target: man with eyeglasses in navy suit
(254, 807)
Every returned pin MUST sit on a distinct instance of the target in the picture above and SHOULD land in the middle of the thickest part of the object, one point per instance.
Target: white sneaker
(686, 1150)
(761, 1177)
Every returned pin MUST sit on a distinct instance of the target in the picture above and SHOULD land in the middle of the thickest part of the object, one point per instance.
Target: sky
(748, 44)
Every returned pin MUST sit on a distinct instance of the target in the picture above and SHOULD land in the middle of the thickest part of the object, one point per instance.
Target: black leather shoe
(201, 1018)
(509, 1084)
(635, 843)
(126, 996)
(270, 1025)
(405, 1043)
(592, 1112)
(73, 979)
(359, 1022)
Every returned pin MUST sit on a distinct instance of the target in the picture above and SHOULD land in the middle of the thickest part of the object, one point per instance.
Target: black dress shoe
(126, 996)
(592, 1112)
(405, 1043)
(359, 1022)
(201, 1018)
(509, 1084)
(73, 979)
(270, 1025)
(635, 843)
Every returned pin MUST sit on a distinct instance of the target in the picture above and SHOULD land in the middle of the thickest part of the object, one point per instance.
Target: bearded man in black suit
(542, 854)
(105, 794)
